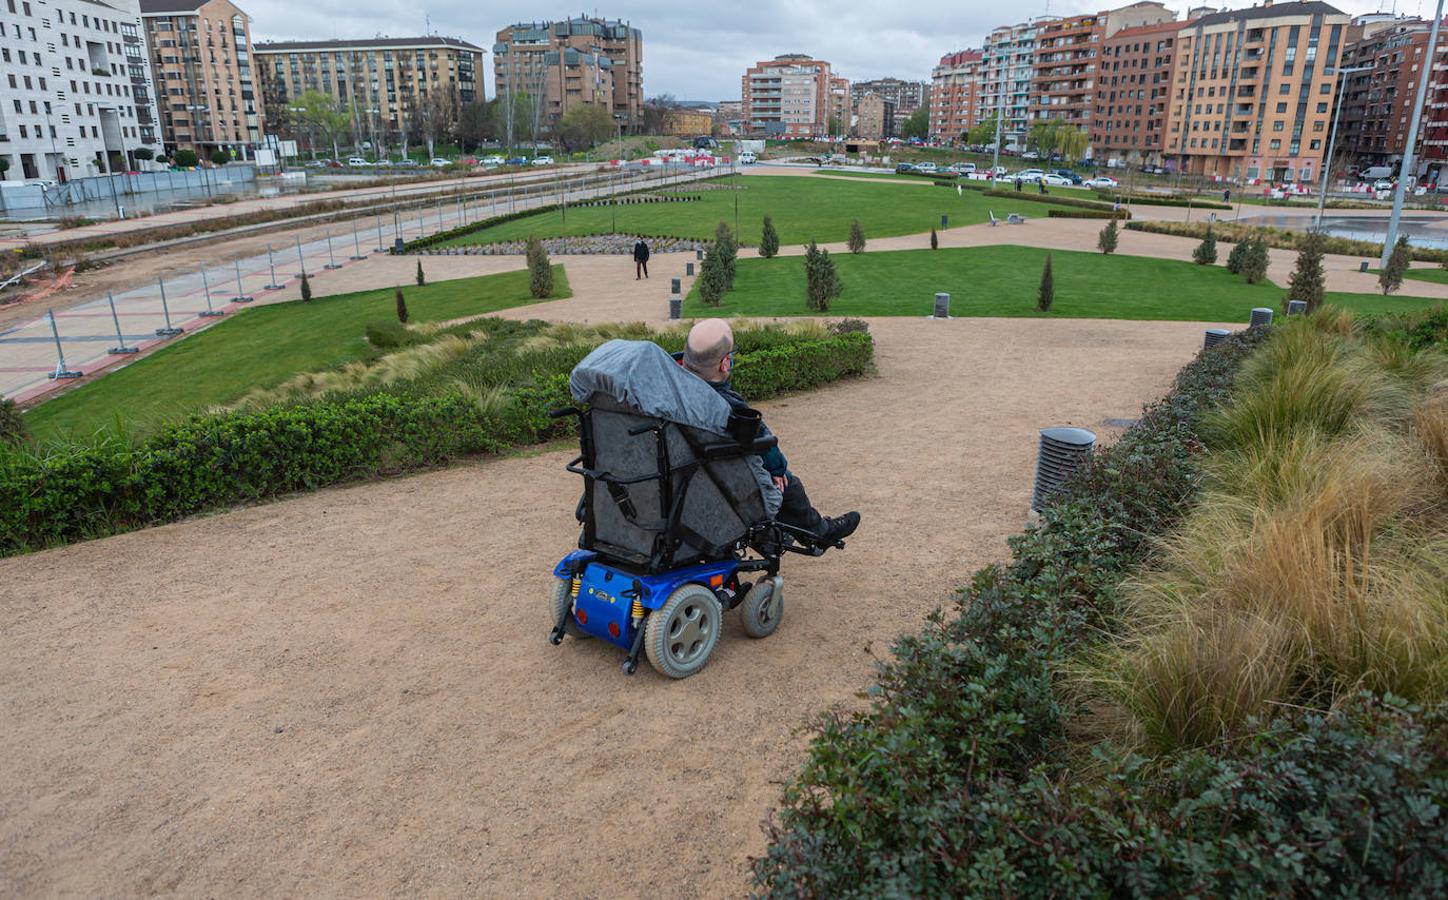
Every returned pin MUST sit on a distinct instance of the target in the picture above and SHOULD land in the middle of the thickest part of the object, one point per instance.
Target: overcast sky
(697, 51)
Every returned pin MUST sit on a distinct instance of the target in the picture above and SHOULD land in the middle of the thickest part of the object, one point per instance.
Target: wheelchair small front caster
(630, 666)
(555, 638)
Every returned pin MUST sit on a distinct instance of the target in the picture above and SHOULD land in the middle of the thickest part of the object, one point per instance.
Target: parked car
(494, 160)
(1030, 154)
(1069, 175)
(747, 158)
(904, 169)
(404, 164)
(517, 160)
(967, 168)
(1030, 176)
(926, 167)
(998, 172)
(1054, 180)
(542, 160)
(357, 162)
(1383, 184)
(1101, 181)
(440, 163)
(1153, 170)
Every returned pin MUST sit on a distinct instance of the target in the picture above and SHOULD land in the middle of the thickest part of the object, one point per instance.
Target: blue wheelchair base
(604, 603)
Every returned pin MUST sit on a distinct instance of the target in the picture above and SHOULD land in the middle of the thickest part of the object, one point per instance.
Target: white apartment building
(75, 88)
(1006, 70)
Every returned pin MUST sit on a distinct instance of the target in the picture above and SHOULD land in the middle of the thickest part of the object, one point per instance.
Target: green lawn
(1003, 281)
(1436, 274)
(261, 347)
(889, 176)
(802, 208)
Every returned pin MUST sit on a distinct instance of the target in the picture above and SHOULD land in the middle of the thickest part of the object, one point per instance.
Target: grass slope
(1003, 280)
(261, 347)
(803, 208)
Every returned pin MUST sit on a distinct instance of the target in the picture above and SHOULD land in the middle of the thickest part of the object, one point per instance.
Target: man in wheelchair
(687, 509)
(709, 353)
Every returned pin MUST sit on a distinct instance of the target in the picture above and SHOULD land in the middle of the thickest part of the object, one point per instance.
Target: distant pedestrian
(1018, 182)
(1227, 195)
(641, 260)
(1041, 186)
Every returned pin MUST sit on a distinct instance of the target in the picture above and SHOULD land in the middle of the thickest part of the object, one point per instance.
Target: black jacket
(641, 252)
(774, 461)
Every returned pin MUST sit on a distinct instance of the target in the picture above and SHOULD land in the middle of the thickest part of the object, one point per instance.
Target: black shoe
(838, 528)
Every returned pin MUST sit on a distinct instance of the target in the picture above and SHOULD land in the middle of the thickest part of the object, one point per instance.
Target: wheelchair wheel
(763, 607)
(561, 601)
(680, 635)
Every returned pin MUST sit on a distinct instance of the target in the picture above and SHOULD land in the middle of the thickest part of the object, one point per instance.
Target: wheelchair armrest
(726, 449)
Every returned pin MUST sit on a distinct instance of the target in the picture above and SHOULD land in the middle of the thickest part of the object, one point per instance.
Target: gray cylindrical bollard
(1296, 307)
(942, 306)
(1363, 266)
(1061, 452)
(675, 286)
(397, 245)
(1260, 316)
(688, 269)
(676, 307)
(944, 221)
(698, 254)
(1214, 337)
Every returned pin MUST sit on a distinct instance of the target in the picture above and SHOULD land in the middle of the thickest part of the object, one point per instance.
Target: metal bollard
(689, 269)
(676, 307)
(944, 221)
(1213, 337)
(942, 306)
(676, 286)
(1262, 315)
(1060, 452)
(1296, 307)
(698, 254)
(1363, 266)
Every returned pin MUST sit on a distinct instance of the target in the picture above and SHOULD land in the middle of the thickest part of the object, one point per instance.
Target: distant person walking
(641, 260)
(1227, 195)
(1018, 182)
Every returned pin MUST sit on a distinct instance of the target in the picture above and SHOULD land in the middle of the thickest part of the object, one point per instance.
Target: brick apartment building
(1253, 90)
(570, 62)
(875, 118)
(955, 95)
(840, 105)
(1133, 87)
(1066, 70)
(391, 85)
(1006, 72)
(905, 96)
(201, 59)
(789, 96)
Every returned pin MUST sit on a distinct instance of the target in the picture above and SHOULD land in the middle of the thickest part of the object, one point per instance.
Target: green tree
(144, 154)
(712, 281)
(585, 126)
(934, 239)
(185, 159)
(1391, 278)
(836, 127)
(421, 278)
(1308, 282)
(768, 242)
(1107, 240)
(220, 157)
(1255, 260)
(857, 237)
(401, 307)
(1071, 143)
(1206, 252)
(728, 250)
(1047, 293)
(1045, 136)
(306, 289)
(984, 132)
(477, 122)
(12, 423)
(320, 115)
(1238, 256)
(916, 126)
(540, 269)
(822, 283)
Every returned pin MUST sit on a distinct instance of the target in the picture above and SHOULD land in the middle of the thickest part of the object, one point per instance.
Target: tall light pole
(1332, 142)
(1407, 166)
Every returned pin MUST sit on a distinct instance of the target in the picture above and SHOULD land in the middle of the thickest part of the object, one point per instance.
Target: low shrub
(1280, 238)
(12, 423)
(1122, 214)
(1109, 195)
(389, 335)
(1055, 199)
(77, 492)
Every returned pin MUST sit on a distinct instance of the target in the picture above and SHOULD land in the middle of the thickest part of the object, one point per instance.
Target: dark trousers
(641, 269)
(796, 509)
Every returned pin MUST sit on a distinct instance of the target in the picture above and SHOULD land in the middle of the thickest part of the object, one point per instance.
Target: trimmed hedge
(1122, 214)
(221, 460)
(1056, 199)
(1159, 200)
(462, 230)
(1280, 238)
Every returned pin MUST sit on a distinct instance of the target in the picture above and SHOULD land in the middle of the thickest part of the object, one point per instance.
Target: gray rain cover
(641, 375)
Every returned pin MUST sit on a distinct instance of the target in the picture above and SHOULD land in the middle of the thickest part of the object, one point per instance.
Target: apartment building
(790, 96)
(840, 105)
(75, 97)
(1067, 51)
(1006, 73)
(392, 87)
(201, 58)
(875, 118)
(1377, 104)
(905, 96)
(1133, 90)
(955, 95)
(1253, 90)
(571, 62)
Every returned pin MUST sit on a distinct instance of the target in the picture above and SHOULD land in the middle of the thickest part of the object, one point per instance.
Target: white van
(357, 161)
(747, 158)
(1375, 173)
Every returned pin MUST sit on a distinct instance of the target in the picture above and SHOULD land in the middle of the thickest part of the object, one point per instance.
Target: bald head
(709, 345)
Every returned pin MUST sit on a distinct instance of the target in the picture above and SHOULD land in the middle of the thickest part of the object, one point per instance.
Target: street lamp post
(1407, 166)
(1332, 142)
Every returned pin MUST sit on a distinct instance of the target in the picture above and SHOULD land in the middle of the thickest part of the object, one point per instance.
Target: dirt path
(351, 692)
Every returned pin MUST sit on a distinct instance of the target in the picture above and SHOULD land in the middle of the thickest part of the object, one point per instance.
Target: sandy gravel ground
(351, 692)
